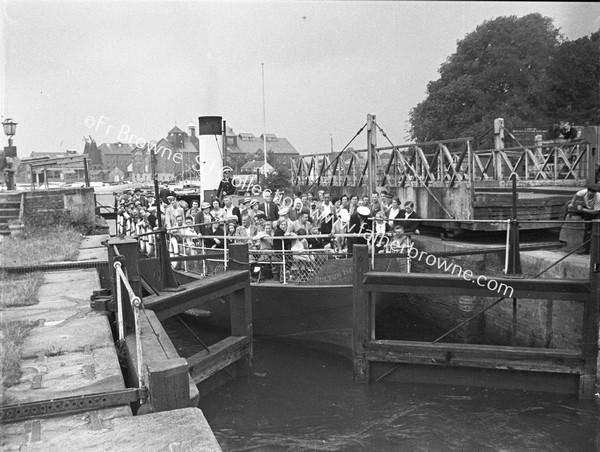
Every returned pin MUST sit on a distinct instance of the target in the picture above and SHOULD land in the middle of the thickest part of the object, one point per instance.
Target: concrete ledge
(179, 430)
(42, 434)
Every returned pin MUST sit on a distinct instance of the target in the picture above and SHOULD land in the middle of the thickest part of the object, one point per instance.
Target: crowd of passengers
(258, 222)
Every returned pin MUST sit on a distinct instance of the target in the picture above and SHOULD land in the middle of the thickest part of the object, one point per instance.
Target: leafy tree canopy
(518, 69)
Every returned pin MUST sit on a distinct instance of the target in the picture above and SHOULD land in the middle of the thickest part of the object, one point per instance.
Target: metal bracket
(103, 304)
(71, 405)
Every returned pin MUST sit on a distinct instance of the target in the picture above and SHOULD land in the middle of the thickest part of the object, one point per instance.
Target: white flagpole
(264, 120)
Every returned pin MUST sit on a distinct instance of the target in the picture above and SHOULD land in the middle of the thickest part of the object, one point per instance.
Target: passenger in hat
(586, 203)
(203, 219)
(385, 201)
(230, 228)
(137, 196)
(263, 242)
(226, 187)
(254, 209)
(284, 216)
(244, 206)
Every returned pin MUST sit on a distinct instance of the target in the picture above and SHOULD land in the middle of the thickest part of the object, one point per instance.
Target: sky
(127, 70)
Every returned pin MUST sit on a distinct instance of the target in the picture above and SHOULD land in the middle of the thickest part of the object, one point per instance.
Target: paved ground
(71, 352)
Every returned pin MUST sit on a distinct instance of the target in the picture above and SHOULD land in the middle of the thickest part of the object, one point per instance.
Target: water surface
(299, 400)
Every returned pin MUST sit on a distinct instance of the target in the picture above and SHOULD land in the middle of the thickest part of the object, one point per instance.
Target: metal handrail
(136, 303)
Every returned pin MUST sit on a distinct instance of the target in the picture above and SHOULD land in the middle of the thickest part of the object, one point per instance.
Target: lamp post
(10, 151)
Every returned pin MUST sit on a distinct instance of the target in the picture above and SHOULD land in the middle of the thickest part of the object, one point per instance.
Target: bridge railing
(444, 163)
(566, 163)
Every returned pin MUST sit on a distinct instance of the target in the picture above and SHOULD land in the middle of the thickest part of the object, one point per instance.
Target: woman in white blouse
(394, 211)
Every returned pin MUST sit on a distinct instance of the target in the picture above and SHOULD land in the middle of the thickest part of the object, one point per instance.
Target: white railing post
(136, 302)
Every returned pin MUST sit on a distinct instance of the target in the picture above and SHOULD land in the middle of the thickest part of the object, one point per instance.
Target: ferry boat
(457, 189)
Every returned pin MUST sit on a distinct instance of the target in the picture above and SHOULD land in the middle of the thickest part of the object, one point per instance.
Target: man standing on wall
(588, 205)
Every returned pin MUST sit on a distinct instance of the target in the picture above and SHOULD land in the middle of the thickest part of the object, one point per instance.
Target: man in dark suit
(408, 213)
(165, 192)
(359, 225)
(270, 209)
(232, 211)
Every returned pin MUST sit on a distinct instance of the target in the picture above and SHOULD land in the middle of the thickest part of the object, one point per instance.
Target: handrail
(136, 303)
(22, 207)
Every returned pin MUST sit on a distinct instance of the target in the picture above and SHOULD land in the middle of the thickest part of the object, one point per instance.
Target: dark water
(302, 400)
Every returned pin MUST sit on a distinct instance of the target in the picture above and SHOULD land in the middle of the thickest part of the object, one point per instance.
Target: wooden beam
(168, 383)
(425, 283)
(360, 317)
(472, 355)
(207, 363)
(169, 304)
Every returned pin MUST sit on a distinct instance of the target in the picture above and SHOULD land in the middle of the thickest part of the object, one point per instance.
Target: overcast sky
(146, 66)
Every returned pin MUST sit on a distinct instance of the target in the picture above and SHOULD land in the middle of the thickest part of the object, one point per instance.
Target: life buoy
(141, 229)
(151, 244)
(120, 228)
(173, 251)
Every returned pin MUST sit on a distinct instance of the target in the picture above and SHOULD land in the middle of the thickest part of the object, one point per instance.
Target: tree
(280, 179)
(575, 81)
(498, 70)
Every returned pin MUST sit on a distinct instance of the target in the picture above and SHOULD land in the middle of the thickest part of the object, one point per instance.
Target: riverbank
(70, 352)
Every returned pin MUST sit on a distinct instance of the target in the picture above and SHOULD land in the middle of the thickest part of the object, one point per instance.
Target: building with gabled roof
(280, 151)
(115, 155)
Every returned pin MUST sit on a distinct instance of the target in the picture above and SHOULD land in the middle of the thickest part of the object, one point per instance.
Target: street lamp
(10, 151)
(10, 128)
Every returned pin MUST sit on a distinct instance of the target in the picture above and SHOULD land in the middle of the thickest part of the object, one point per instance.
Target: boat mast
(371, 155)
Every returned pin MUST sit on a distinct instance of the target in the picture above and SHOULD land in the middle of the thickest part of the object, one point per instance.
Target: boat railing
(208, 254)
